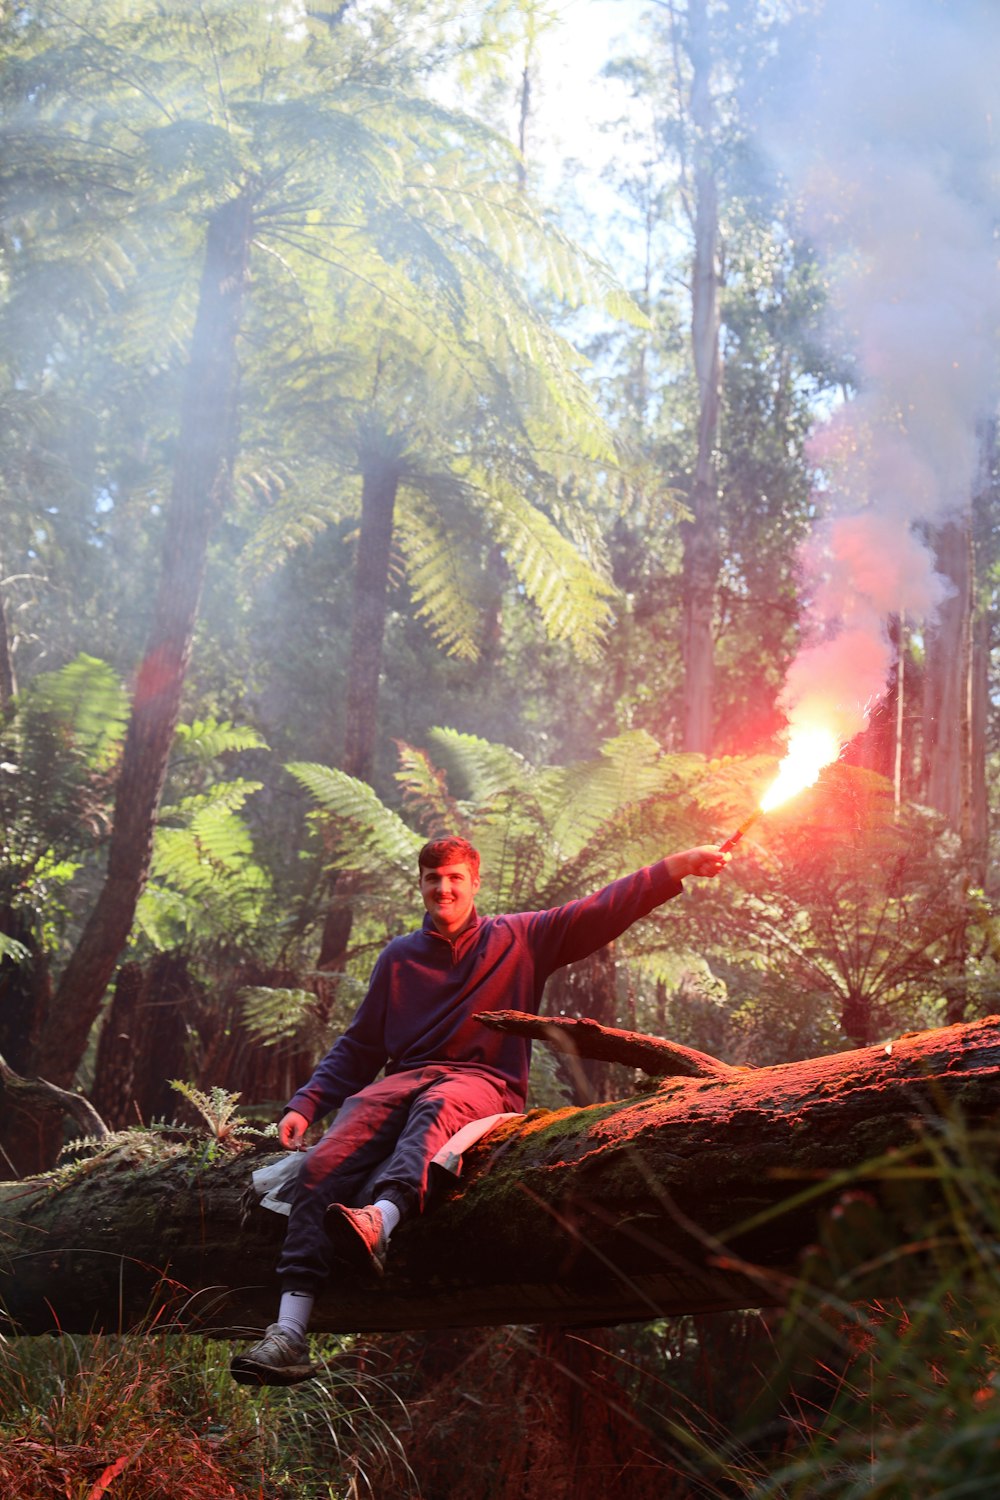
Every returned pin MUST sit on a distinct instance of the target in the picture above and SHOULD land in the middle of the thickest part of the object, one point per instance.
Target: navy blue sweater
(425, 989)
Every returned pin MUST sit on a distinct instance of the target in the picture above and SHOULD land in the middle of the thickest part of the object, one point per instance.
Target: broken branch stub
(582, 1037)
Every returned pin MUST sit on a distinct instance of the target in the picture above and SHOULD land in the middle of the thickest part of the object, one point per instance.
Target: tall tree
(722, 418)
(701, 533)
(201, 485)
(955, 679)
(331, 176)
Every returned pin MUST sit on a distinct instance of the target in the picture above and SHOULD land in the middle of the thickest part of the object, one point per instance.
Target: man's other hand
(706, 859)
(291, 1128)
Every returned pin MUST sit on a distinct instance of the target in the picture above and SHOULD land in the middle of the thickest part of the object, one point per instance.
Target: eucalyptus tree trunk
(979, 819)
(201, 485)
(946, 684)
(701, 533)
(980, 651)
(956, 698)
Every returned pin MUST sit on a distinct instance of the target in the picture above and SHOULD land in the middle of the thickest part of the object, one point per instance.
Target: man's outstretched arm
(564, 934)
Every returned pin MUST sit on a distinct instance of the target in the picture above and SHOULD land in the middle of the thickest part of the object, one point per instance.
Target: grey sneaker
(280, 1358)
(358, 1237)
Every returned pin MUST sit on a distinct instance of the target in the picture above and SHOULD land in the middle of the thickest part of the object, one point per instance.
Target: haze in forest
(881, 119)
(365, 479)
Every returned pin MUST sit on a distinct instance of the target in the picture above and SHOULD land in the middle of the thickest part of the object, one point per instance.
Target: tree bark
(8, 678)
(704, 1194)
(144, 1041)
(202, 474)
(25, 998)
(380, 471)
(379, 483)
(946, 683)
(979, 688)
(701, 533)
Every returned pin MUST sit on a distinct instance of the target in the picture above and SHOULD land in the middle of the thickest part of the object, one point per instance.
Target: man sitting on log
(442, 1069)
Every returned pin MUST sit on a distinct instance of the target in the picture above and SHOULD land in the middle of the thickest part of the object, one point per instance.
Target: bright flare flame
(809, 750)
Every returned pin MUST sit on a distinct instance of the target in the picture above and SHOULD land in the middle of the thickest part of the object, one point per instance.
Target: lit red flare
(810, 749)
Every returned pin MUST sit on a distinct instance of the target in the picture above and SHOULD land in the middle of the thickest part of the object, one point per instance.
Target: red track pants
(380, 1145)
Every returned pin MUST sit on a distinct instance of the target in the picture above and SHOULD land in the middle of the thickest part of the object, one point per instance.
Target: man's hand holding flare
(706, 859)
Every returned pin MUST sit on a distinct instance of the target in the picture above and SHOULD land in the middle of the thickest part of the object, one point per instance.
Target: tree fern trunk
(379, 484)
(202, 476)
(144, 1043)
(25, 997)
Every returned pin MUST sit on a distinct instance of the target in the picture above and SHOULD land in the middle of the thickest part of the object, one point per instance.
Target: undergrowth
(157, 1417)
(886, 1384)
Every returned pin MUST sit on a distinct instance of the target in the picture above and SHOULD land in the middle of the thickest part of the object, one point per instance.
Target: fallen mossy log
(704, 1193)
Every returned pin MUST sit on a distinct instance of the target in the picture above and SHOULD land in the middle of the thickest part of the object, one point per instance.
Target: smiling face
(449, 892)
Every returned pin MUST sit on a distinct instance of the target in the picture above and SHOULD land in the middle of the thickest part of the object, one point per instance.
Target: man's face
(449, 892)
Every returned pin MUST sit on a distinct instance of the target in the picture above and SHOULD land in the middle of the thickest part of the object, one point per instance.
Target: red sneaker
(358, 1237)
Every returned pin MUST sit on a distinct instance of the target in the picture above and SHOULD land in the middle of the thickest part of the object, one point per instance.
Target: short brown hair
(451, 850)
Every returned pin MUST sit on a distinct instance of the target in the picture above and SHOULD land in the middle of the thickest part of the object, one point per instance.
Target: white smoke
(884, 130)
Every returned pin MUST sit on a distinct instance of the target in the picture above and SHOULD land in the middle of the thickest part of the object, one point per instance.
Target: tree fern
(573, 601)
(425, 793)
(88, 699)
(204, 740)
(481, 767)
(58, 752)
(372, 833)
(205, 882)
(443, 585)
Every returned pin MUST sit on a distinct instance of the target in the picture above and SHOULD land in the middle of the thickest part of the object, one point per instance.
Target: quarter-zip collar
(462, 940)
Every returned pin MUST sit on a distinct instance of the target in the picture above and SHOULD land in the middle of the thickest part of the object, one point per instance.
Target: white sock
(295, 1310)
(390, 1214)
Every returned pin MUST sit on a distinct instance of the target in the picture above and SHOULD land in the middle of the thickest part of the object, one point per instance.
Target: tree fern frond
(439, 575)
(425, 793)
(204, 740)
(224, 843)
(376, 834)
(205, 882)
(573, 600)
(518, 856)
(273, 1016)
(631, 767)
(215, 850)
(87, 696)
(297, 515)
(488, 208)
(632, 834)
(223, 797)
(11, 949)
(482, 767)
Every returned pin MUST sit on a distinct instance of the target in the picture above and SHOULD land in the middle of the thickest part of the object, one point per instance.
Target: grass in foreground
(157, 1417)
